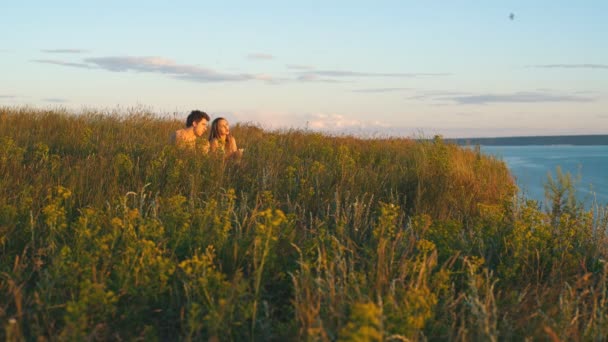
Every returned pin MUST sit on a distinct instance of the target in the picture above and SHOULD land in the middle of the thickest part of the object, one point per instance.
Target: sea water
(531, 165)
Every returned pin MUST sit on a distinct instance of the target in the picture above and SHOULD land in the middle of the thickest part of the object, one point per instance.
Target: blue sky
(408, 68)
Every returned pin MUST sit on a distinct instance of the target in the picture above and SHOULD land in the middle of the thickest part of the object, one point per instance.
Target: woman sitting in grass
(196, 126)
(221, 140)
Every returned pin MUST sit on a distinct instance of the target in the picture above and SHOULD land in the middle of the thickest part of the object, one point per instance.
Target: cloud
(519, 97)
(166, 66)
(332, 122)
(466, 114)
(467, 98)
(64, 51)
(8, 96)
(437, 95)
(298, 67)
(260, 56)
(379, 90)
(158, 65)
(326, 122)
(346, 73)
(268, 78)
(63, 63)
(315, 78)
(339, 123)
(332, 75)
(55, 100)
(572, 66)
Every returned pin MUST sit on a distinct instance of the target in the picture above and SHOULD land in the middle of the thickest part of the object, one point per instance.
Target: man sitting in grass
(196, 126)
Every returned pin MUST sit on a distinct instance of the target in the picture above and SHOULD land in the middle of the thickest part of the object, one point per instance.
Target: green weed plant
(107, 232)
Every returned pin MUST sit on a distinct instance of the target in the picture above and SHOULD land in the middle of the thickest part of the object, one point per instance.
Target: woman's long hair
(215, 131)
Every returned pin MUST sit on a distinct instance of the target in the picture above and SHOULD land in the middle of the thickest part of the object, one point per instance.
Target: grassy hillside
(107, 232)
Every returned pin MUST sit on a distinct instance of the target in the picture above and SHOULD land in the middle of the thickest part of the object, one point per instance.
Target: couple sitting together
(219, 138)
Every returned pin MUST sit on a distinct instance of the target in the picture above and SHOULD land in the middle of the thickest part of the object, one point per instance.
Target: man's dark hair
(196, 116)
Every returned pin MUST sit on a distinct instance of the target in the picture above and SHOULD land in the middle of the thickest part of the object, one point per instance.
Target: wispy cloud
(333, 75)
(572, 66)
(332, 122)
(469, 98)
(158, 65)
(340, 123)
(466, 114)
(166, 66)
(379, 90)
(437, 95)
(319, 121)
(63, 63)
(519, 97)
(298, 67)
(64, 51)
(6, 97)
(55, 100)
(316, 78)
(348, 73)
(260, 56)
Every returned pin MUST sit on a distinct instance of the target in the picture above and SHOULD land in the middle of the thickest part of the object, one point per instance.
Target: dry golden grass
(107, 232)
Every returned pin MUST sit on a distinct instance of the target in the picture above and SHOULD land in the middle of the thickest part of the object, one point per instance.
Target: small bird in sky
(512, 16)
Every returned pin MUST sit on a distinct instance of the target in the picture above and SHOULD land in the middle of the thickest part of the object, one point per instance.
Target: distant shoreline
(578, 140)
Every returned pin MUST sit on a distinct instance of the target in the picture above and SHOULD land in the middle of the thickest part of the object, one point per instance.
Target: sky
(371, 68)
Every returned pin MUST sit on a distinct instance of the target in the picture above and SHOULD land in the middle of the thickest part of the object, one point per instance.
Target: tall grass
(108, 232)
